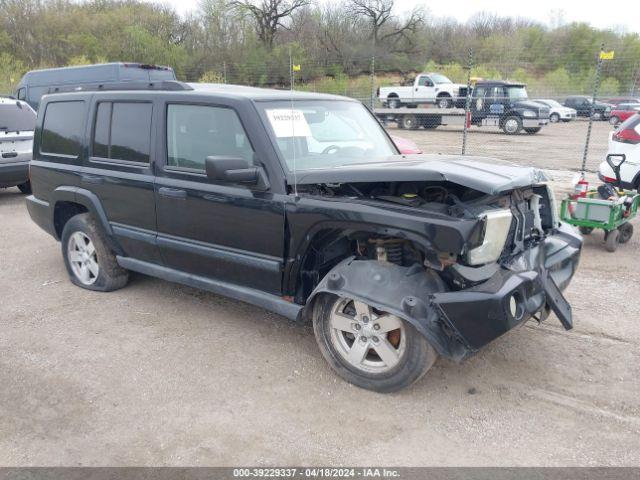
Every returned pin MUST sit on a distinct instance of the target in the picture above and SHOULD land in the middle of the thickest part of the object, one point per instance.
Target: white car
(17, 123)
(626, 141)
(558, 111)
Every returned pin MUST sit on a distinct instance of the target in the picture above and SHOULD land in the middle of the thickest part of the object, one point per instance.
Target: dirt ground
(160, 374)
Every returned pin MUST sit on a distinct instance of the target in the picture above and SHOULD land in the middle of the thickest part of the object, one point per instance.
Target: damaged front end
(512, 267)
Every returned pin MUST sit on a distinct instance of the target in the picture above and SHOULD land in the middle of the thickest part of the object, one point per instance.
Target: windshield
(517, 93)
(321, 133)
(16, 117)
(437, 78)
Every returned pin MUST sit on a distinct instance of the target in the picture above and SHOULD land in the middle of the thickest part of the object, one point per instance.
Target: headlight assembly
(496, 230)
(529, 113)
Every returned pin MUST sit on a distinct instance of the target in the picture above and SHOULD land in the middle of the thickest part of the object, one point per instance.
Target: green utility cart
(611, 215)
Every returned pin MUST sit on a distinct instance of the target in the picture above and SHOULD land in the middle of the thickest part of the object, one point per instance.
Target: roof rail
(169, 85)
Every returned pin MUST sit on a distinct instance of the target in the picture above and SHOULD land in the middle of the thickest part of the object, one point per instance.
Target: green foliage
(11, 70)
(211, 76)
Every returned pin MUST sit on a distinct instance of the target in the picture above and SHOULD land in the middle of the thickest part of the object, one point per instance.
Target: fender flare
(90, 201)
(402, 291)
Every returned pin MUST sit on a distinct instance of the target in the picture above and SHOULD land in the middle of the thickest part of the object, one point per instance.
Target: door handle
(172, 192)
(93, 179)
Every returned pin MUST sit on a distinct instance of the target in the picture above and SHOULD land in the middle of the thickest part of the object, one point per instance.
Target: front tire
(532, 130)
(444, 102)
(554, 118)
(89, 261)
(369, 348)
(512, 125)
(612, 239)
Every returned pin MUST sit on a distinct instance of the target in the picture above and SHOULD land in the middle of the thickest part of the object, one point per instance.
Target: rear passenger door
(119, 171)
(230, 232)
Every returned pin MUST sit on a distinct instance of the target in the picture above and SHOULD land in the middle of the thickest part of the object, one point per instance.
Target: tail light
(628, 135)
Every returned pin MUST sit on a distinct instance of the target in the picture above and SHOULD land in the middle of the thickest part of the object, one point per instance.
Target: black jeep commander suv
(301, 204)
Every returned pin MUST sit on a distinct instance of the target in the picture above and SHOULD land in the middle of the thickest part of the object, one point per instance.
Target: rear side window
(16, 117)
(62, 128)
(123, 131)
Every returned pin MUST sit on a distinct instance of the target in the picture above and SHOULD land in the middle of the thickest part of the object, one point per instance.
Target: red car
(406, 146)
(622, 112)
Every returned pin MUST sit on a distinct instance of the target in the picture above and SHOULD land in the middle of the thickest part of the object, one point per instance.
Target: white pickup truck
(426, 88)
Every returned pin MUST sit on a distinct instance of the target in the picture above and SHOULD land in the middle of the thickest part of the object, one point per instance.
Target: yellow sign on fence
(296, 68)
(607, 55)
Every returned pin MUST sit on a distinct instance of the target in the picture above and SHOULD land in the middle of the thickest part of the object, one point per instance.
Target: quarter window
(195, 132)
(123, 131)
(62, 128)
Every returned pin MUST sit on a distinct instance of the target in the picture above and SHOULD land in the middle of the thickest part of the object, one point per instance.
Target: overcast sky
(622, 15)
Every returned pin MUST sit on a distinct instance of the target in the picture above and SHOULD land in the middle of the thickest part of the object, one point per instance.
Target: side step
(264, 300)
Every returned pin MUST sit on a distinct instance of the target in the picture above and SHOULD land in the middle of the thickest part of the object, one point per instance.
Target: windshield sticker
(288, 123)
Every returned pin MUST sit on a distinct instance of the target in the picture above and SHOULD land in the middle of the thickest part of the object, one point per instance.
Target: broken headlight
(496, 230)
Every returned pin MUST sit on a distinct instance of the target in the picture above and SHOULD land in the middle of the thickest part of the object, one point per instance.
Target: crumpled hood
(486, 175)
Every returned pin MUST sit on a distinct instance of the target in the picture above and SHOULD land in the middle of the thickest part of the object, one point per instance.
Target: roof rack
(167, 85)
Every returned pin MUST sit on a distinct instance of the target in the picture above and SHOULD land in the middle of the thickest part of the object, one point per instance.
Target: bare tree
(384, 24)
(269, 15)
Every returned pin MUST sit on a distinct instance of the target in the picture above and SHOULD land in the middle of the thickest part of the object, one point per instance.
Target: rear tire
(612, 239)
(350, 350)
(90, 263)
(410, 122)
(626, 232)
(394, 102)
(25, 187)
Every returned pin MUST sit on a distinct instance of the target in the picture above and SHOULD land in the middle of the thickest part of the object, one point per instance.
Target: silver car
(17, 123)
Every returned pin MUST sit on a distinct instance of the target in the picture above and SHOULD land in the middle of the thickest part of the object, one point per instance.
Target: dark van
(37, 83)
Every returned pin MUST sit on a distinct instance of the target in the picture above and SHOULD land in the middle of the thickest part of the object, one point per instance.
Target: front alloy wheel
(370, 348)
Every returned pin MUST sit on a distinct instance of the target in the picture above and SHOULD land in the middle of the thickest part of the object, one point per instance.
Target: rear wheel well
(392, 95)
(443, 94)
(63, 212)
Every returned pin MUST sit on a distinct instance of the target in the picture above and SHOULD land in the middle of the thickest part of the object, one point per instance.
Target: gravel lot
(160, 374)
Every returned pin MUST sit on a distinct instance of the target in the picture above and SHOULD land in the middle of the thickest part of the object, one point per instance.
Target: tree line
(336, 44)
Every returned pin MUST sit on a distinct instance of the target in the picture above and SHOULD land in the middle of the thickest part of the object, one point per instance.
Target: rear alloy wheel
(614, 120)
(410, 122)
(444, 102)
(370, 348)
(512, 125)
(554, 118)
(90, 262)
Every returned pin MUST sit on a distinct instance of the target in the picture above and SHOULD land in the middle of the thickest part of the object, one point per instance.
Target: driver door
(424, 90)
(233, 233)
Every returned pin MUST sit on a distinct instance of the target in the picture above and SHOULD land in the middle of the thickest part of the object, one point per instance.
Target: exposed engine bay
(508, 224)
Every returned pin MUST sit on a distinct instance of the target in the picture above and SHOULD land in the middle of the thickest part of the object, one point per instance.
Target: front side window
(425, 82)
(325, 133)
(63, 128)
(195, 132)
(123, 131)
(517, 93)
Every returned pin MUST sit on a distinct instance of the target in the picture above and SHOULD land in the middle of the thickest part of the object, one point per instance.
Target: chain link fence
(558, 145)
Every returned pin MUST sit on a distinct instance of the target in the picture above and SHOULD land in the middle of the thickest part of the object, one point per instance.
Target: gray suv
(17, 122)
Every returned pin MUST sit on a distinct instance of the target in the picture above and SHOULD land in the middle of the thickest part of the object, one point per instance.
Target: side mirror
(230, 169)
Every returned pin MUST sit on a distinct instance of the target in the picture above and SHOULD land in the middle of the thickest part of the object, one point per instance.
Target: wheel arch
(402, 291)
(70, 201)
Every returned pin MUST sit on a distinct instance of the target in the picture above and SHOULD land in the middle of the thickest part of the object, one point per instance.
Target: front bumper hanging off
(459, 323)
